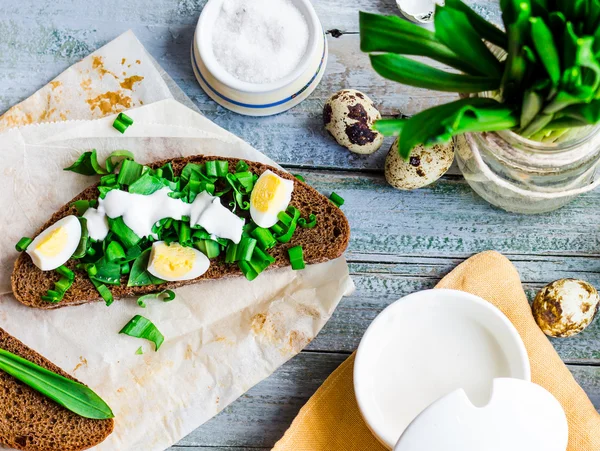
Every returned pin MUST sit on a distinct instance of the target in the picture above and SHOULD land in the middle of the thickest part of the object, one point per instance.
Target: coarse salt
(259, 41)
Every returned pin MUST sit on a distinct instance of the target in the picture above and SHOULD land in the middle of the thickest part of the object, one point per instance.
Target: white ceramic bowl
(254, 99)
(427, 345)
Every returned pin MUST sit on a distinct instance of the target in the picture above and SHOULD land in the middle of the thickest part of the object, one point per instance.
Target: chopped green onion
(108, 180)
(139, 351)
(119, 125)
(66, 272)
(222, 168)
(60, 286)
(296, 257)
(140, 327)
(258, 263)
(185, 234)
(90, 268)
(245, 248)
(166, 295)
(336, 199)
(87, 164)
(114, 252)
(23, 244)
(241, 166)
(211, 168)
(231, 253)
(299, 177)
(125, 119)
(265, 238)
(246, 179)
(290, 222)
(124, 233)
(122, 122)
(130, 172)
(167, 172)
(209, 248)
(311, 223)
(90, 251)
(83, 205)
(145, 185)
(117, 157)
(104, 292)
(248, 270)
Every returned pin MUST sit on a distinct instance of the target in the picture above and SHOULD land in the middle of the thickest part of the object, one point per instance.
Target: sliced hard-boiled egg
(270, 196)
(55, 245)
(174, 262)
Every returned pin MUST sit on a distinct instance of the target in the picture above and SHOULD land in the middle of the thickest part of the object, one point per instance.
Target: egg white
(199, 267)
(72, 227)
(268, 218)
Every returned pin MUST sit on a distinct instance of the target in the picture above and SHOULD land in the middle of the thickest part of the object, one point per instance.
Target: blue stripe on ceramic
(267, 105)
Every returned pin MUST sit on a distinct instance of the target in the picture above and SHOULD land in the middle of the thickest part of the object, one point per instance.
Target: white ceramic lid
(520, 416)
(427, 345)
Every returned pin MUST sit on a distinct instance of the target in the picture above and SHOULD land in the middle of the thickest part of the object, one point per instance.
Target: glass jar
(524, 176)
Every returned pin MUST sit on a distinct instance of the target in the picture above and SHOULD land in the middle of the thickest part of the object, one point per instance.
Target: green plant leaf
(140, 327)
(390, 127)
(72, 395)
(486, 30)
(414, 73)
(538, 124)
(586, 113)
(139, 276)
(518, 32)
(545, 47)
(391, 34)
(450, 23)
(533, 103)
(438, 125)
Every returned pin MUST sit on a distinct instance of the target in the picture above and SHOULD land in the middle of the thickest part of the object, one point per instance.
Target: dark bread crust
(327, 241)
(32, 422)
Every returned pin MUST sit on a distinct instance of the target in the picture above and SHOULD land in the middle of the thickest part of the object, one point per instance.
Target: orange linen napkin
(330, 421)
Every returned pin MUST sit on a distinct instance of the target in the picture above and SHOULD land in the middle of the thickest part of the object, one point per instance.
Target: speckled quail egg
(349, 115)
(565, 307)
(424, 166)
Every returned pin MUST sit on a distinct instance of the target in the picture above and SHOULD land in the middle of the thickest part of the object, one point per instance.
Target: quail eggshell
(349, 115)
(565, 307)
(425, 166)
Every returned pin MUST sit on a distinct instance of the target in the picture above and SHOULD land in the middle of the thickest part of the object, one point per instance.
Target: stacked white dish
(258, 99)
(438, 363)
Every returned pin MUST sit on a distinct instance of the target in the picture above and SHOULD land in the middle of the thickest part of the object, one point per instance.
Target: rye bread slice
(327, 241)
(32, 422)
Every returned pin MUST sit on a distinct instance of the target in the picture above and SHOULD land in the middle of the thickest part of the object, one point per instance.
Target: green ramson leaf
(140, 327)
(72, 395)
(392, 34)
(537, 125)
(543, 42)
(414, 73)
(450, 23)
(146, 185)
(438, 125)
(486, 30)
(87, 164)
(124, 233)
(139, 276)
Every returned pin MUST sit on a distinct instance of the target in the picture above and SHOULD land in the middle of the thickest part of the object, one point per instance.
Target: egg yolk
(53, 243)
(265, 192)
(174, 260)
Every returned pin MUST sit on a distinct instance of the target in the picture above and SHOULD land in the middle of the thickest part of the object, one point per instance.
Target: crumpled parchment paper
(222, 337)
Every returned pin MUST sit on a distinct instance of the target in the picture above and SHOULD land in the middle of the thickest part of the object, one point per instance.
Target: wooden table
(401, 241)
